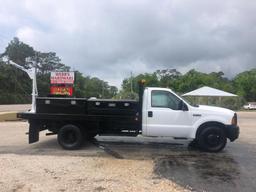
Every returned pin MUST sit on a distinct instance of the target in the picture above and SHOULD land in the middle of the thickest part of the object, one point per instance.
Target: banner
(62, 77)
(61, 90)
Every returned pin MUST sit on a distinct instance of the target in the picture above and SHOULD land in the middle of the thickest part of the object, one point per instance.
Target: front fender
(203, 120)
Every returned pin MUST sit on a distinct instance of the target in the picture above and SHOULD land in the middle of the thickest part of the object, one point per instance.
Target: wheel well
(207, 124)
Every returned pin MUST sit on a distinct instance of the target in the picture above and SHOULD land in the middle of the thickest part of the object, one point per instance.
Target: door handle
(150, 113)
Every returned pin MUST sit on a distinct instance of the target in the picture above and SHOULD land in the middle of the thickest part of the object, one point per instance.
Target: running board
(181, 138)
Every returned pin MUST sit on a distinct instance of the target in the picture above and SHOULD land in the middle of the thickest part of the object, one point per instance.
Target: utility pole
(131, 82)
(103, 89)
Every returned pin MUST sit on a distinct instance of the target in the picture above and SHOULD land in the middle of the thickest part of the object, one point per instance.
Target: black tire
(212, 139)
(70, 137)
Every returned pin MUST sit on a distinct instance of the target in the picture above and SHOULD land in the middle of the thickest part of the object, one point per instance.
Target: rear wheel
(212, 139)
(70, 137)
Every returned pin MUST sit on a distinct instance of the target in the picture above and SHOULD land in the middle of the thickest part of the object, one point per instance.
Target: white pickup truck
(158, 113)
(250, 106)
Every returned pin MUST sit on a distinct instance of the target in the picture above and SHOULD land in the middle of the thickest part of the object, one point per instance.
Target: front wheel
(70, 137)
(212, 139)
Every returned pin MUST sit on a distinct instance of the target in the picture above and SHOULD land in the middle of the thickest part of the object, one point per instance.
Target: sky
(112, 38)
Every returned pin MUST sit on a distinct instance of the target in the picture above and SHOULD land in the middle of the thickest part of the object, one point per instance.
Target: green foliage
(194, 79)
(126, 95)
(47, 62)
(180, 83)
(18, 51)
(12, 98)
(15, 85)
(93, 87)
(43, 84)
(245, 84)
(79, 85)
(151, 81)
(131, 92)
(167, 77)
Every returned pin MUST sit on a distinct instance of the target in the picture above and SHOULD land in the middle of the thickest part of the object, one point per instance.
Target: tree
(151, 80)
(194, 79)
(93, 87)
(245, 84)
(47, 62)
(15, 85)
(112, 91)
(167, 76)
(18, 51)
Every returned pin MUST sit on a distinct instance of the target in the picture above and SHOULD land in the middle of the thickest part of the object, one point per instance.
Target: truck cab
(165, 114)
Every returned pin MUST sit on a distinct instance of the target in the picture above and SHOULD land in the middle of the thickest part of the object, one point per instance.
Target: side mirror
(183, 106)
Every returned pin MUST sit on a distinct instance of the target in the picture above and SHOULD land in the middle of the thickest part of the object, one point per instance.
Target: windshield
(189, 102)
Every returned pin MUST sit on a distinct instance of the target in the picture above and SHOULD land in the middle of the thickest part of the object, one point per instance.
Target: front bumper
(232, 132)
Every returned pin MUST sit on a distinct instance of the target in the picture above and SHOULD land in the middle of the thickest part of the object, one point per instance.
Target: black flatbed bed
(96, 116)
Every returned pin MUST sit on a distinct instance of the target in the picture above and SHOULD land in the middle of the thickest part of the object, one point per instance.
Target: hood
(213, 109)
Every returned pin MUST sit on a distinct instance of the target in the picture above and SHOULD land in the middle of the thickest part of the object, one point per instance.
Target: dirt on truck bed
(126, 164)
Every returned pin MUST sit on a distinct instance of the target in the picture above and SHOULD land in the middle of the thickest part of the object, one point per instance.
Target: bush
(8, 98)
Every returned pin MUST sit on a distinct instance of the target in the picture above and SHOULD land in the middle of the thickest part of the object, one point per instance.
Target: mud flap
(33, 135)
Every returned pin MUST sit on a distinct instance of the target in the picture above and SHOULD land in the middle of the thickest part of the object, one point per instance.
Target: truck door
(165, 116)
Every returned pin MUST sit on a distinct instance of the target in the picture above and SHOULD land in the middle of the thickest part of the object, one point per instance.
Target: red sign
(62, 77)
(61, 90)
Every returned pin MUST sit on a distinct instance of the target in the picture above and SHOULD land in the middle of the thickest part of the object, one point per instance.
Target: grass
(8, 116)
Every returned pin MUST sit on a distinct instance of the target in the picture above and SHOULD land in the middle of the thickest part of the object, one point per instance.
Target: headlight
(234, 120)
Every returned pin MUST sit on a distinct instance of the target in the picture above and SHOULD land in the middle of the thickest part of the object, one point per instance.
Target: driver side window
(164, 99)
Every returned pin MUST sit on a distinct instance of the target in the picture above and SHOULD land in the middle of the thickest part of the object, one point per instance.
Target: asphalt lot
(126, 164)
